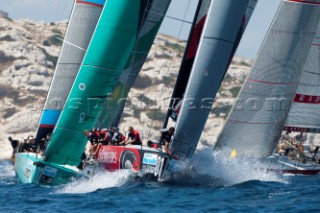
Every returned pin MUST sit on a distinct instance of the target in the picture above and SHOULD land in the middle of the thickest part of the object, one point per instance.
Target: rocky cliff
(29, 52)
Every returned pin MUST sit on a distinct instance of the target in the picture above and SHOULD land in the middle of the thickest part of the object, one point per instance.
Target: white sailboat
(254, 126)
(217, 46)
(303, 118)
(212, 60)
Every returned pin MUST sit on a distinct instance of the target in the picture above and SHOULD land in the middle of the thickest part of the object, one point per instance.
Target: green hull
(30, 168)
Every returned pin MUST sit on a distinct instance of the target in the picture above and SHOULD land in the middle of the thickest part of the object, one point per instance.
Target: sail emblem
(82, 116)
(233, 154)
(82, 86)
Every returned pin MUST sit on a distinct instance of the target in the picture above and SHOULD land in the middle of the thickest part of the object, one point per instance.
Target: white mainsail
(215, 50)
(82, 22)
(254, 126)
(305, 110)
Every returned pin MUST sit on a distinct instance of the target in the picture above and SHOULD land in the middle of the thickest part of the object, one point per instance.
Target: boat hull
(134, 157)
(30, 168)
(284, 165)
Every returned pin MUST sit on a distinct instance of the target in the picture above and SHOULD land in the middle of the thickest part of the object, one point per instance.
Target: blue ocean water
(216, 186)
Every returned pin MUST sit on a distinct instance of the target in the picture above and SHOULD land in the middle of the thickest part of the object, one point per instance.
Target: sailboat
(135, 157)
(254, 126)
(217, 46)
(303, 118)
(102, 65)
(219, 40)
(152, 160)
(82, 21)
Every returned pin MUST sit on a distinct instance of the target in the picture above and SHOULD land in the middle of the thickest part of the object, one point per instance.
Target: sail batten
(265, 99)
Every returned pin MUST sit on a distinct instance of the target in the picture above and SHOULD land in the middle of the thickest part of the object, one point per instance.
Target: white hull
(295, 166)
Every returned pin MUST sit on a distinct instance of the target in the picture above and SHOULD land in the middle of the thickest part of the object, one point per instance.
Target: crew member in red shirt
(133, 137)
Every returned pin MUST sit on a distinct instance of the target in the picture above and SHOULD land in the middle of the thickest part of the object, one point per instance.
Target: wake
(101, 180)
(206, 168)
(214, 169)
(7, 174)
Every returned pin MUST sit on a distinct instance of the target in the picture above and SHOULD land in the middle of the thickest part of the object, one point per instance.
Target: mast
(108, 53)
(304, 113)
(212, 60)
(82, 22)
(256, 121)
(152, 17)
(188, 57)
(191, 49)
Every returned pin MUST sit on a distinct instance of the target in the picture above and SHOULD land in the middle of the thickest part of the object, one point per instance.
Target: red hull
(301, 172)
(137, 158)
(296, 171)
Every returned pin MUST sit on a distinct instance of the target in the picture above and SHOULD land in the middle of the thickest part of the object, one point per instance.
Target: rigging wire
(148, 9)
(132, 59)
(178, 19)
(57, 14)
(170, 63)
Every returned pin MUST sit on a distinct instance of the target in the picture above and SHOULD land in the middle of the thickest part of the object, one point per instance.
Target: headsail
(110, 48)
(254, 126)
(305, 110)
(154, 13)
(83, 20)
(191, 49)
(212, 60)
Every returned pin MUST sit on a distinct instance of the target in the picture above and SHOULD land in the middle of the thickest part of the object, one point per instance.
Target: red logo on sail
(307, 99)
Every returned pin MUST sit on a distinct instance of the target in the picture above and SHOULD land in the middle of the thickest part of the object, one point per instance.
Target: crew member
(133, 137)
(104, 137)
(82, 164)
(165, 139)
(44, 143)
(93, 136)
(14, 144)
(116, 136)
(33, 146)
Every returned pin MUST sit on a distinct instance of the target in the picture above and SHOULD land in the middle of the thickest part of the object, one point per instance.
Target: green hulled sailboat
(108, 52)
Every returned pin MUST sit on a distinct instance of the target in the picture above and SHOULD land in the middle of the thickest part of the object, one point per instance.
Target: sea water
(205, 184)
